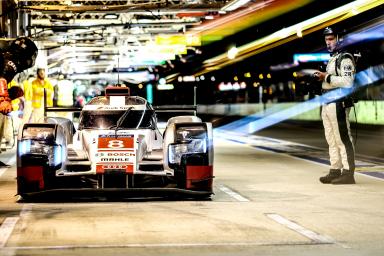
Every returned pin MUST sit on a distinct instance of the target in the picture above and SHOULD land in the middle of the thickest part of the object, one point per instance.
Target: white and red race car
(117, 150)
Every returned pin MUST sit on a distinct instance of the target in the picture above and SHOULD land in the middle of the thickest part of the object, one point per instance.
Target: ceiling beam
(164, 7)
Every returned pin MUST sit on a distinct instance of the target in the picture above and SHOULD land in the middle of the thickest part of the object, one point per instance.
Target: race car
(117, 150)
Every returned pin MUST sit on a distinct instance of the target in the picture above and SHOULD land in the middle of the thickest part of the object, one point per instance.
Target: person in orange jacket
(19, 56)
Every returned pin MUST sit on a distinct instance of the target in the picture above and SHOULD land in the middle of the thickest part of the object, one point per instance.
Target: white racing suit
(335, 114)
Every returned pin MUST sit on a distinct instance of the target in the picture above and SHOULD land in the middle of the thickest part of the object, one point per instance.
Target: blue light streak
(375, 32)
(310, 57)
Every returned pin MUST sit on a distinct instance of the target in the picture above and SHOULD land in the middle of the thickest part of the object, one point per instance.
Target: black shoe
(345, 178)
(333, 174)
(4, 165)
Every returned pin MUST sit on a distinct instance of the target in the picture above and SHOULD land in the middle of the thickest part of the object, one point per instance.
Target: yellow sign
(187, 40)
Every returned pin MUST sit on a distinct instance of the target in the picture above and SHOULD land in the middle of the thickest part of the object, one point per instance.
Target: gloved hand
(5, 105)
(320, 76)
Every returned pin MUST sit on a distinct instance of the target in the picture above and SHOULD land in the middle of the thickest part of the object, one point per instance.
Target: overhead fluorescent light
(111, 16)
(232, 53)
(165, 87)
(135, 77)
(234, 5)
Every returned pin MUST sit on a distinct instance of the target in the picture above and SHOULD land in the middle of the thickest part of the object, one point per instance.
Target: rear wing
(122, 91)
(163, 113)
(179, 109)
(176, 108)
(62, 109)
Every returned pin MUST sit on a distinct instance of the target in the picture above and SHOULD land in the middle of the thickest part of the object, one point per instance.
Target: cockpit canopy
(108, 119)
(117, 112)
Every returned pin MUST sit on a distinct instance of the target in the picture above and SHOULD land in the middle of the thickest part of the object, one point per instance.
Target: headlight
(190, 132)
(24, 147)
(54, 152)
(176, 151)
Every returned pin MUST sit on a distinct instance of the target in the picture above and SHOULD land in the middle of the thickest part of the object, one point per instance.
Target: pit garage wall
(367, 112)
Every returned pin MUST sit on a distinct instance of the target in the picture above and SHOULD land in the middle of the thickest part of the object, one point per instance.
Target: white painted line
(9, 224)
(11, 162)
(301, 230)
(2, 171)
(27, 209)
(165, 245)
(232, 193)
(6, 229)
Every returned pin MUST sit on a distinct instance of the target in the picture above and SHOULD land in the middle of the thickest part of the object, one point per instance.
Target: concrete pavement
(264, 203)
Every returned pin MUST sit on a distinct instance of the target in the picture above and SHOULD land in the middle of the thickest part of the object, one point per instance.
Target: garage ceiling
(100, 36)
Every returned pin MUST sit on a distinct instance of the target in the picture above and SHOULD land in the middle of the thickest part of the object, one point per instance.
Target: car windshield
(103, 119)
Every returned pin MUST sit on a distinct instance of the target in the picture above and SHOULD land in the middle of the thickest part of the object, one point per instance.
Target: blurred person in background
(27, 87)
(40, 84)
(64, 95)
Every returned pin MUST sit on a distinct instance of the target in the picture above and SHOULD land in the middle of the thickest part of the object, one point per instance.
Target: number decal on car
(110, 142)
(116, 153)
(115, 144)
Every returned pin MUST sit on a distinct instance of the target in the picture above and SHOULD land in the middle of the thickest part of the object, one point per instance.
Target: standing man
(338, 78)
(38, 86)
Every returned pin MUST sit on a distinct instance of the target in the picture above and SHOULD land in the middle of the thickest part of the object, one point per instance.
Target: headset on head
(330, 31)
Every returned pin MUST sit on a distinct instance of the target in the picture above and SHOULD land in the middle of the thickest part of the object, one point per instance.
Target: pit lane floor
(265, 203)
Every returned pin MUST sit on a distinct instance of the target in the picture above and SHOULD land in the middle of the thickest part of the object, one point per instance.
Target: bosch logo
(121, 154)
